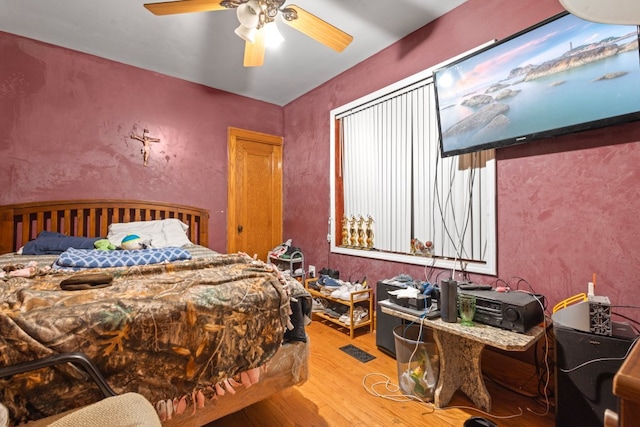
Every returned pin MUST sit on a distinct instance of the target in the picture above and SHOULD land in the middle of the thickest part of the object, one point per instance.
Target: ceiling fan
(257, 18)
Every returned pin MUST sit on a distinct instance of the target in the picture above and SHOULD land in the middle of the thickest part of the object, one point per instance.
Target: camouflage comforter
(165, 331)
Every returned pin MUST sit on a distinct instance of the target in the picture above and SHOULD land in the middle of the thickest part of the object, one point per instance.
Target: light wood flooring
(335, 394)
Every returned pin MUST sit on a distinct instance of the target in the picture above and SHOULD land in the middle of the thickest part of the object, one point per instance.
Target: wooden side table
(460, 348)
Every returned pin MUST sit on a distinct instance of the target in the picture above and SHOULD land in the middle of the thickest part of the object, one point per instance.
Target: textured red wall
(566, 206)
(66, 118)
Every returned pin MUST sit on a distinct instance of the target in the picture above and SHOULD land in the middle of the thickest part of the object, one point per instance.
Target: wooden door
(254, 192)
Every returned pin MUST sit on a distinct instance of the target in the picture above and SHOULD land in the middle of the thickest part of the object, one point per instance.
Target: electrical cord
(530, 291)
(547, 380)
(440, 274)
(548, 368)
(512, 388)
(544, 377)
(393, 391)
(627, 318)
(586, 363)
(543, 372)
(459, 249)
(436, 192)
(432, 267)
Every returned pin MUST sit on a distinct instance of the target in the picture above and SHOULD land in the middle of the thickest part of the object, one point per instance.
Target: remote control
(474, 287)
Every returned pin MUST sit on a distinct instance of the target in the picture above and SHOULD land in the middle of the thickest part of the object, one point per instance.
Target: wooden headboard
(22, 222)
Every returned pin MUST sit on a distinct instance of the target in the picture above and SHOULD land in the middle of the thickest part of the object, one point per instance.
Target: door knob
(240, 229)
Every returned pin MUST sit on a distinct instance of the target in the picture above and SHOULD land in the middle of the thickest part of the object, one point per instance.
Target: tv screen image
(563, 75)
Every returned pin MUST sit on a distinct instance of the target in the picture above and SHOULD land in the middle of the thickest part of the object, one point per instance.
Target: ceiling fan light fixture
(253, 15)
(246, 33)
(248, 14)
(272, 36)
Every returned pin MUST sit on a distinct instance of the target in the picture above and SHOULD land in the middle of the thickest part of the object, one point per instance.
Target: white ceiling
(202, 47)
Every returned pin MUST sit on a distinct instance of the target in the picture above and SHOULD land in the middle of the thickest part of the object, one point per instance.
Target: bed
(200, 336)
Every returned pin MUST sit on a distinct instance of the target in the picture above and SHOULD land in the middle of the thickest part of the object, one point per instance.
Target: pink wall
(66, 117)
(567, 207)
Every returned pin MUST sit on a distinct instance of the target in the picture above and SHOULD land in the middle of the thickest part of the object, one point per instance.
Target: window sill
(443, 263)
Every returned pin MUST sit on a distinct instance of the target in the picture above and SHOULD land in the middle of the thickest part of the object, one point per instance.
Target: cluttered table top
(489, 335)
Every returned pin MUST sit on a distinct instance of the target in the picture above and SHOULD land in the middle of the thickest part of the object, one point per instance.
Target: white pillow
(159, 233)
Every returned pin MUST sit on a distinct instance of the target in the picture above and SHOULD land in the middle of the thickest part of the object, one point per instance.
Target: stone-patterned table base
(460, 348)
(460, 368)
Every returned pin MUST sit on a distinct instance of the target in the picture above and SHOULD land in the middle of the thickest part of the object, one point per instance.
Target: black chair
(129, 409)
(78, 359)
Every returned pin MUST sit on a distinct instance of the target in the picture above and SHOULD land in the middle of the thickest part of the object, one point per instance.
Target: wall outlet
(312, 271)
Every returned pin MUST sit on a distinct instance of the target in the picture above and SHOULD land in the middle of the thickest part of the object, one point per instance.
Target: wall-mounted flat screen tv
(563, 75)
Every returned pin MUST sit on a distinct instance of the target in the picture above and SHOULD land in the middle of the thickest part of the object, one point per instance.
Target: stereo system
(515, 311)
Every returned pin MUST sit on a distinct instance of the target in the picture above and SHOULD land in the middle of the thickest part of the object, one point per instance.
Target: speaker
(585, 366)
(385, 323)
(449, 301)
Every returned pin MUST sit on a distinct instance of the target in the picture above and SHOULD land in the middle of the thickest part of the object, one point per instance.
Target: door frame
(235, 134)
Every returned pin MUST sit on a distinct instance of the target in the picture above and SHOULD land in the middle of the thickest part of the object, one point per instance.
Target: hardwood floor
(335, 393)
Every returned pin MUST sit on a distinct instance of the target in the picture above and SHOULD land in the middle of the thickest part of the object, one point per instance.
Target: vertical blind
(391, 169)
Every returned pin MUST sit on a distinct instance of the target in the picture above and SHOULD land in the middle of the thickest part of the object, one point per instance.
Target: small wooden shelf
(352, 303)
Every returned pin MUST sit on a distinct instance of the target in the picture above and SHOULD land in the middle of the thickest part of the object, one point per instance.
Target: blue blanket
(54, 243)
(78, 259)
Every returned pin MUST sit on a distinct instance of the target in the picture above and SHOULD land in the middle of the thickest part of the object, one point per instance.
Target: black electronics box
(421, 302)
(514, 311)
(386, 323)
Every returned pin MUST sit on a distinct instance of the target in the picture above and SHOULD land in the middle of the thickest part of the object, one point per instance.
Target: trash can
(418, 361)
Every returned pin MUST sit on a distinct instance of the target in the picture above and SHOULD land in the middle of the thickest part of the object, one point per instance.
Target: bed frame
(22, 222)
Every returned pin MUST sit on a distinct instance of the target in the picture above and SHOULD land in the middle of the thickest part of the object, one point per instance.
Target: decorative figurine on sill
(361, 232)
(428, 249)
(345, 231)
(369, 232)
(416, 246)
(146, 146)
(419, 248)
(353, 231)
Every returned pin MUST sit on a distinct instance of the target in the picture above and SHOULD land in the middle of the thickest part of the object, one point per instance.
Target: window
(388, 180)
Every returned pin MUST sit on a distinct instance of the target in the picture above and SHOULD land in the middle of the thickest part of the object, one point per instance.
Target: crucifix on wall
(146, 144)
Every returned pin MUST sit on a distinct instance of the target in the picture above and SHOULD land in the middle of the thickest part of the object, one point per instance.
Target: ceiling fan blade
(183, 6)
(254, 52)
(319, 30)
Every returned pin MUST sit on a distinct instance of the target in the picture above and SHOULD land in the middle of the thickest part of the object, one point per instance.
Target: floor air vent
(359, 354)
